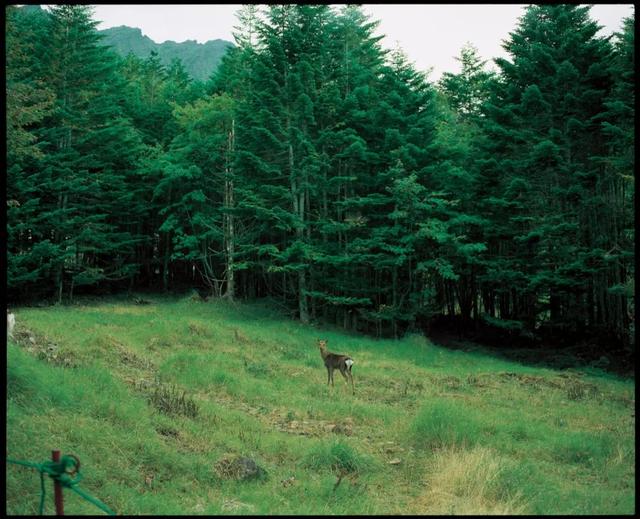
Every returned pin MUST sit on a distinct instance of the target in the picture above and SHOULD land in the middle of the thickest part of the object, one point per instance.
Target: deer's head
(322, 344)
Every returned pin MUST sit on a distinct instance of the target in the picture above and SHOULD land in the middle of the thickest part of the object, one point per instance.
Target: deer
(11, 322)
(335, 360)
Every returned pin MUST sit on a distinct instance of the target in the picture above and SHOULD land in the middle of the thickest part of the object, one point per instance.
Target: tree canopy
(319, 170)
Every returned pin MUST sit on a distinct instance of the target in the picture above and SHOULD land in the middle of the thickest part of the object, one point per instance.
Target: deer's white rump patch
(349, 363)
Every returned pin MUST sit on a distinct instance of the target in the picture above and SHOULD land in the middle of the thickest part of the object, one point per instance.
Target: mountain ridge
(200, 60)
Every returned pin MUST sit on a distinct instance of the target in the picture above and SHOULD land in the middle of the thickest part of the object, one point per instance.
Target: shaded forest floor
(579, 356)
(159, 401)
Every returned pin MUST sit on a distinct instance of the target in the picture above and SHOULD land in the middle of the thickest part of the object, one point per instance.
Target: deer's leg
(328, 375)
(347, 377)
(353, 389)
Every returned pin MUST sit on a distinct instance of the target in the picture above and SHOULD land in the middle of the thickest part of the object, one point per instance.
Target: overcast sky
(431, 35)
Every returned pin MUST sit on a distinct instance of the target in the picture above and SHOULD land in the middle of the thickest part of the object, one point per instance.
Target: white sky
(431, 35)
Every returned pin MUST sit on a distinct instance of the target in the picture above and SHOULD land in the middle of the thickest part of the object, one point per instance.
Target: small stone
(345, 429)
(288, 481)
(395, 461)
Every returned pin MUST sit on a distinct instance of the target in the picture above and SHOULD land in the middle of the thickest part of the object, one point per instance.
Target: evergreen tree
(199, 176)
(29, 101)
(80, 232)
(616, 187)
(543, 130)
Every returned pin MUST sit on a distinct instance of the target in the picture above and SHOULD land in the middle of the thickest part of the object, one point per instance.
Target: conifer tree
(85, 206)
(543, 130)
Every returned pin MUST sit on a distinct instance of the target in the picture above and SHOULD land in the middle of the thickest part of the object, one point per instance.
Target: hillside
(159, 400)
(199, 59)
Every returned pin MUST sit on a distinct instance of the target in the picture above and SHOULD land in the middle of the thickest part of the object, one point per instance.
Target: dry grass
(466, 482)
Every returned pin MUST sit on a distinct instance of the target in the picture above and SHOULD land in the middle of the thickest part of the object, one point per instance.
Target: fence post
(57, 487)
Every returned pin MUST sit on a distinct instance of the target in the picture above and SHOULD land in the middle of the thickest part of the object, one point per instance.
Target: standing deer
(11, 322)
(333, 361)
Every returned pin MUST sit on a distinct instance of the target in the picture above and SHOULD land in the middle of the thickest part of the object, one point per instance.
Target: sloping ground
(161, 401)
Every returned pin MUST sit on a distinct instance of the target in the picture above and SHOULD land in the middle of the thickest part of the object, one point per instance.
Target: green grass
(150, 398)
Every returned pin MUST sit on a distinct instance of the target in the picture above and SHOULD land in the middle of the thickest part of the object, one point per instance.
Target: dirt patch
(43, 347)
(284, 420)
(315, 427)
(159, 343)
(198, 329)
(482, 380)
(390, 391)
(168, 432)
(449, 382)
(576, 389)
(122, 310)
(125, 355)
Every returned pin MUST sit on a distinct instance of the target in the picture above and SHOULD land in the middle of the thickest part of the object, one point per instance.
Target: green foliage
(318, 170)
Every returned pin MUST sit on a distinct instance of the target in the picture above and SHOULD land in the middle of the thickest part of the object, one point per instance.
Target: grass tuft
(440, 423)
(468, 482)
(338, 457)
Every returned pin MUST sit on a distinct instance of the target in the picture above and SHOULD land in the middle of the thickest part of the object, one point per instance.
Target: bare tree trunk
(298, 208)
(229, 229)
(59, 238)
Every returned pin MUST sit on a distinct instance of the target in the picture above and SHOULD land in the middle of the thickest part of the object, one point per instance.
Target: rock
(345, 429)
(395, 461)
(240, 468)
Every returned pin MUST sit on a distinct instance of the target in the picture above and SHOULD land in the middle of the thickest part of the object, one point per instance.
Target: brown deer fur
(335, 360)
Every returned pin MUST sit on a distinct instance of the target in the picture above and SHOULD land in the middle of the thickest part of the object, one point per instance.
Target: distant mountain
(199, 59)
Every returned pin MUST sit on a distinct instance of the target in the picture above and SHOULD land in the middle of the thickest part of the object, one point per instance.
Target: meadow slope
(155, 399)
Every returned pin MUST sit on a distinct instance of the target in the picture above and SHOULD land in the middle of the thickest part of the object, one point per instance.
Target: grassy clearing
(151, 398)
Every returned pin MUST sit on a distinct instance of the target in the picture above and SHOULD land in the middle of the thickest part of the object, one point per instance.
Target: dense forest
(318, 170)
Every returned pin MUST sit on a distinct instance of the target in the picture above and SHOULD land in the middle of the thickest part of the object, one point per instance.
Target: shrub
(169, 400)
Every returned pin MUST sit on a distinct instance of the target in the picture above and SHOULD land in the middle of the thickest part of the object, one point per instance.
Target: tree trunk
(229, 224)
